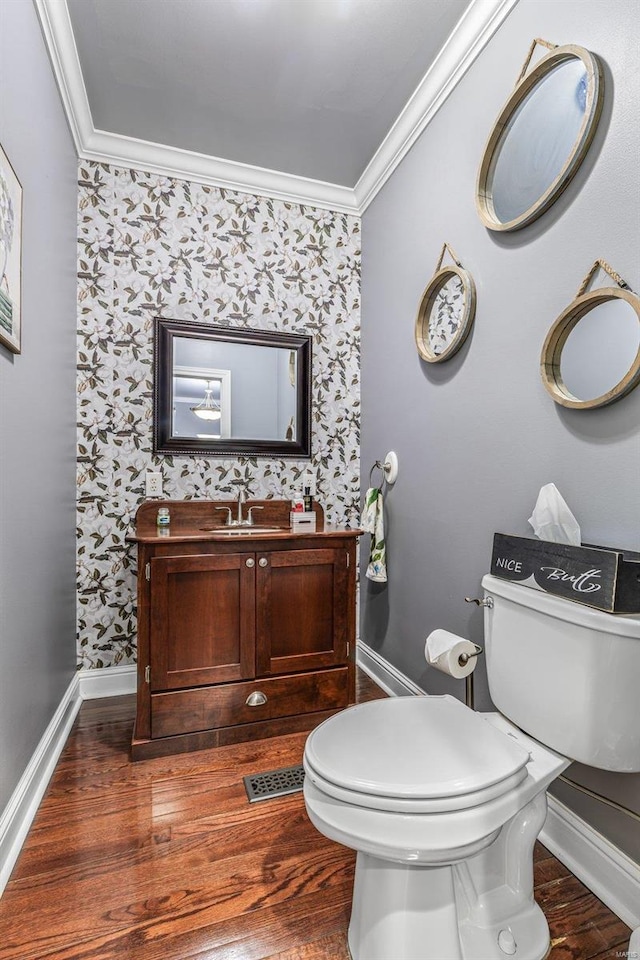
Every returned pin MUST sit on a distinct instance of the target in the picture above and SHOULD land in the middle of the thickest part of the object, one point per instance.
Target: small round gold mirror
(540, 137)
(591, 356)
(446, 311)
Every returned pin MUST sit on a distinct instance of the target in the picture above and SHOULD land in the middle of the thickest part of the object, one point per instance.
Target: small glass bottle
(308, 499)
(163, 519)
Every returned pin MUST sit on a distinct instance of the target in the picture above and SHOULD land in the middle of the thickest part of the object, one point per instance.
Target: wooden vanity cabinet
(239, 637)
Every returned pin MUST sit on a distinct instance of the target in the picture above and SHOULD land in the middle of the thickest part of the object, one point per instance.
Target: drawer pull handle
(256, 699)
(250, 562)
(263, 561)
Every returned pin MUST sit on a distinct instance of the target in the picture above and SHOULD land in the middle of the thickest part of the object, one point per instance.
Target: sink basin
(242, 531)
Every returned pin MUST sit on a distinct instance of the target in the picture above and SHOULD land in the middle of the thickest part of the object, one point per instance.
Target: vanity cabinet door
(301, 610)
(202, 620)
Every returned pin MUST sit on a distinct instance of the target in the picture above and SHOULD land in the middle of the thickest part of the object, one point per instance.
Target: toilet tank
(566, 674)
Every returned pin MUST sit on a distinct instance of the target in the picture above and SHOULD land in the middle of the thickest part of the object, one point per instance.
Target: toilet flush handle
(481, 603)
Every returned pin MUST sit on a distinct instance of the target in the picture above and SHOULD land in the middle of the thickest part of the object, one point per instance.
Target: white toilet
(443, 805)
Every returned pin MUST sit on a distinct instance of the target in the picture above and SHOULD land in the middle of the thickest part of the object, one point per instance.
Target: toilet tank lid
(413, 747)
(620, 624)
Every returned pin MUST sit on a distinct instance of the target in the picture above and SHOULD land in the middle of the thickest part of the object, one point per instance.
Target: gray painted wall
(37, 405)
(478, 436)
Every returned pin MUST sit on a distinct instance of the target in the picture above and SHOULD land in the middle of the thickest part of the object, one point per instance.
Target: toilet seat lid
(413, 747)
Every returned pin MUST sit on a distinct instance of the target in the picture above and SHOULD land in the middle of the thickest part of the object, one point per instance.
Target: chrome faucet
(242, 498)
(239, 521)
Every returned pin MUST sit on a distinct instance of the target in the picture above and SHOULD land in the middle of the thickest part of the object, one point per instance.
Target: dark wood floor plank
(334, 947)
(263, 933)
(557, 895)
(547, 870)
(586, 911)
(619, 953)
(204, 892)
(166, 860)
(615, 932)
(540, 852)
(578, 946)
(252, 936)
(118, 840)
(213, 839)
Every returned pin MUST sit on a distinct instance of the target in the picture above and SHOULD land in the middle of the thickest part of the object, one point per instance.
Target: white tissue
(442, 651)
(552, 519)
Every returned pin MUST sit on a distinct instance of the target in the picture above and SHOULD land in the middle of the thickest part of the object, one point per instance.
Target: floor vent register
(274, 783)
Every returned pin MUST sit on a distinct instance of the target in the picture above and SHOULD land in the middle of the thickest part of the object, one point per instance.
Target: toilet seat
(413, 755)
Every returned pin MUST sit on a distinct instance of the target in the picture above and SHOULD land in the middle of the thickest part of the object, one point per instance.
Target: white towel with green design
(373, 522)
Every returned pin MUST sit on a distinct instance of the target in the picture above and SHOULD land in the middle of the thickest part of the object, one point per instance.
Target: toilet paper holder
(465, 657)
(469, 693)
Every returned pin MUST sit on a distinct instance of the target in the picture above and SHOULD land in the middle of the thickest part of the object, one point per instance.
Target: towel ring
(389, 469)
(378, 465)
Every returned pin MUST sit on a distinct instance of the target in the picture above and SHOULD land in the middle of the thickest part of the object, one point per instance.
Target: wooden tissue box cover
(596, 576)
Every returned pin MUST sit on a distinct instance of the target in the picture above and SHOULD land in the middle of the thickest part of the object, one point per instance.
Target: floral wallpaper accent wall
(152, 246)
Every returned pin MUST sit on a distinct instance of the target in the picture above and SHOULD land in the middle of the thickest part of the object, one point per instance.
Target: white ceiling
(308, 100)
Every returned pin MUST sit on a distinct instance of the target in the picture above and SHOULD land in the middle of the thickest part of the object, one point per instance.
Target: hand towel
(373, 522)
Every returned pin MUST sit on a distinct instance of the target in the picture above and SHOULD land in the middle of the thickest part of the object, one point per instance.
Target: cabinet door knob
(256, 699)
(263, 561)
(250, 562)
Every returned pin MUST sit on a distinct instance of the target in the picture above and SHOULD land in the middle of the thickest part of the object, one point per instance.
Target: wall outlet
(153, 483)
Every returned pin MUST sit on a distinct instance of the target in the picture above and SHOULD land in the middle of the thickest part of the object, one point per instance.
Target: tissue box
(303, 521)
(599, 577)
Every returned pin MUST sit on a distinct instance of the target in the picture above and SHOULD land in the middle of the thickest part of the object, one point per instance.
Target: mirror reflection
(257, 403)
(600, 350)
(446, 315)
(220, 390)
(540, 137)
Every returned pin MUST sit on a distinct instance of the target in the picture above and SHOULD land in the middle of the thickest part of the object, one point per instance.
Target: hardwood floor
(166, 860)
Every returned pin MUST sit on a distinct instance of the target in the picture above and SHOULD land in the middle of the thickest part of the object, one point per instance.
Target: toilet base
(470, 910)
(410, 913)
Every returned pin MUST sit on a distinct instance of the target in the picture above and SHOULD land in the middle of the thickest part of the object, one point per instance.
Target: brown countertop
(201, 520)
(167, 535)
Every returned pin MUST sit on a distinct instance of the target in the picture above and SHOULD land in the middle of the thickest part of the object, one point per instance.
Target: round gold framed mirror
(446, 311)
(591, 355)
(540, 138)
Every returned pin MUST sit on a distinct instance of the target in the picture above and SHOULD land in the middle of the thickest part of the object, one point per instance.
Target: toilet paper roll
(442, 651)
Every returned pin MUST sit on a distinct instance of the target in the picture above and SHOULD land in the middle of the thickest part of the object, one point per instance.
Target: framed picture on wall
(10, 255)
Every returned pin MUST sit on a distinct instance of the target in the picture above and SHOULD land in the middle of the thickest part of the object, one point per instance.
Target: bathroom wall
(150, 246)
(478, 436)
(37, 405)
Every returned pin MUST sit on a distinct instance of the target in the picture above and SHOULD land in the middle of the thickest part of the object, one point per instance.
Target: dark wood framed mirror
(224, 391)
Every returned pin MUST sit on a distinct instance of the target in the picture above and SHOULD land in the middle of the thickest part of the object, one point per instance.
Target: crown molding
(104, 147)
(187, 165)
(467, 40)
(469, 37)
(61, 47)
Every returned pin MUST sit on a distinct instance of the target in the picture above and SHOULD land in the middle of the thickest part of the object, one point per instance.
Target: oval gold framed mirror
(446, 311)
(540, 138)
(591, 355)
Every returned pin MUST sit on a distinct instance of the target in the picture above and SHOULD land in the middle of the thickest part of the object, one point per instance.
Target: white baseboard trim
(18, 815)
(392, 680)
(107, 682)
(601, 866)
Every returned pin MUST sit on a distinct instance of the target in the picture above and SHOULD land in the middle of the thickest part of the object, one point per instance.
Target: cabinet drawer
(225, 705)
